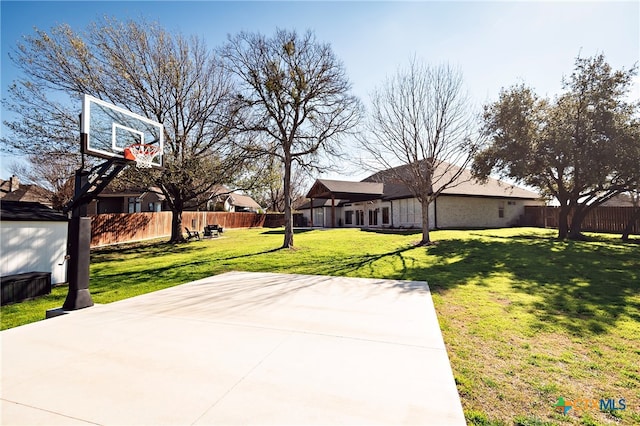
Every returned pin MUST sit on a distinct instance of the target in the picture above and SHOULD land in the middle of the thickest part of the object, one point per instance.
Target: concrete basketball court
(237, 348)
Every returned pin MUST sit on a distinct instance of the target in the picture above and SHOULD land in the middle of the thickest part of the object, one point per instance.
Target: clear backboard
(108, 130)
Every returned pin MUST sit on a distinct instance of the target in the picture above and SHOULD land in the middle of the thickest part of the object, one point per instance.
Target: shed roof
(29, 211)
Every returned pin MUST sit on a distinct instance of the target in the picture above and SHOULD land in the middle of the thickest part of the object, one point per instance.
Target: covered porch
(336, 191)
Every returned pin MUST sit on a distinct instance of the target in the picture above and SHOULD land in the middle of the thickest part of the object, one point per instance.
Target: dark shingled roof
(339, 189)
(110, 192)
(24, 192)
(620, 200)
(240, 200)
(464, 185)
(386, 185)
(29, 211)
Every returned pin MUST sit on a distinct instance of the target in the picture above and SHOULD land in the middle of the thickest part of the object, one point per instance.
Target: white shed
(33, 238)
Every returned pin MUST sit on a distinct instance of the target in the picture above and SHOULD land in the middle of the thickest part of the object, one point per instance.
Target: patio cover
(344, 190)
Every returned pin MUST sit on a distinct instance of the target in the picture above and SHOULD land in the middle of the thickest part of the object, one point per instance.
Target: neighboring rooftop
(240, 200)
(221, 193)
(139, 192)
(12, 190)
(620, 200)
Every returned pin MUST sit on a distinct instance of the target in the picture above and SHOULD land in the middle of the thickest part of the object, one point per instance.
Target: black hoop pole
(78, 247)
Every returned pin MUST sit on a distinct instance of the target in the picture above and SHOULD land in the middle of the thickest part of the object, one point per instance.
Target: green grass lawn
(526, 319)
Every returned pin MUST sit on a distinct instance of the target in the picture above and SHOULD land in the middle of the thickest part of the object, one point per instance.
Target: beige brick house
(377, 202)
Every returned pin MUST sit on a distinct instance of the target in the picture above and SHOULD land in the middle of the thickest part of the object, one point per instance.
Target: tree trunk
(575, 228)
(627, 229)
(563, 222)
(288, 220)
(426, 240)
(177, 235)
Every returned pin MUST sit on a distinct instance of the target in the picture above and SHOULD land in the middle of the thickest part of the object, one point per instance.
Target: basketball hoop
(142, 154)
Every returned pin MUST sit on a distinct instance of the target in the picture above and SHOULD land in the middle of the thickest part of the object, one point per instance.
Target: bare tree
(169, 78)
(420, 132)
(52, 172)
(45, 133)
(294, 97)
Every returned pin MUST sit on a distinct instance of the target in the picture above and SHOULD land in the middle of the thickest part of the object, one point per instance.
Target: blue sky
(495, 44)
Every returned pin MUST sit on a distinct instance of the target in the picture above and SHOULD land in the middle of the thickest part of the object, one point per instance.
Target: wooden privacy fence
(115, 228)
(599, 219)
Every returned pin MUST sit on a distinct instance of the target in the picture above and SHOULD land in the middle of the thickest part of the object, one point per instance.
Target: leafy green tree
(139, 66)
(580, 148)
(293, 101)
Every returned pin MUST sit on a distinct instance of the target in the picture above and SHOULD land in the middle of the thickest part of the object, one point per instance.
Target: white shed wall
(34, 247)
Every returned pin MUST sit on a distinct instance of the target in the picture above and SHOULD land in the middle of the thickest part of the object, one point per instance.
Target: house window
(373, 217)
(500, 212)
(385, 215)
(134, 205)
(348, 217)
(359, 217)
(413, 212)
(409, 210)
(318, 217)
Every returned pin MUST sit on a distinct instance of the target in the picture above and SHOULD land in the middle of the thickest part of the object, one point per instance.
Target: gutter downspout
(392, 224)
(435, 213)
(333, 211)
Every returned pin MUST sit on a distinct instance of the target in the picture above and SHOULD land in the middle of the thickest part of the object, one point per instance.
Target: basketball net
(142, 154)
